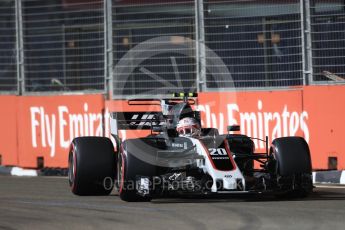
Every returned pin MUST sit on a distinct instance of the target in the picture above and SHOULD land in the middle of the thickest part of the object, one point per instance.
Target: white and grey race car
(164, 164)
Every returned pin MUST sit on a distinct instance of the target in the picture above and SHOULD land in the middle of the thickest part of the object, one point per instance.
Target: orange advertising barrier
(47, 124)
(260, 114)
(326, 109)
(43, 126)
(8, 132)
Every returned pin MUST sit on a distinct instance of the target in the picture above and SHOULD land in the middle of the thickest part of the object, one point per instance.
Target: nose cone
(229, 183)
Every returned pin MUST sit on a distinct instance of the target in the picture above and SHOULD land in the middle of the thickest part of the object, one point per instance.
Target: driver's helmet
(188, 127)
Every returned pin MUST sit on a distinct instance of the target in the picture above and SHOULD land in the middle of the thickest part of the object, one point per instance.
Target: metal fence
(154, 52)
(8, 71)
(63, 46)
(327, 22)
(155, 47)
(259, 41)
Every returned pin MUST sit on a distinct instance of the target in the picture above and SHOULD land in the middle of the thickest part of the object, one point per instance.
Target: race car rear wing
(171, 111)
(135, 121)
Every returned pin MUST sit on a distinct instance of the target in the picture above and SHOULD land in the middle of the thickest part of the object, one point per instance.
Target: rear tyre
(91, 166)
(128, 168)
(293, 166)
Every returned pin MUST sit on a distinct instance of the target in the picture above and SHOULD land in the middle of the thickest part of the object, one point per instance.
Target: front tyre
(293, 166)
(91, 166)
(129, 168)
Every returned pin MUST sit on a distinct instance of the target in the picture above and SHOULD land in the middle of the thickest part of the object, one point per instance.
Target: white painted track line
(329, 186)
(342, 178)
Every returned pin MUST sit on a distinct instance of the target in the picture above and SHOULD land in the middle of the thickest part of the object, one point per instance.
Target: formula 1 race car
(180, 157)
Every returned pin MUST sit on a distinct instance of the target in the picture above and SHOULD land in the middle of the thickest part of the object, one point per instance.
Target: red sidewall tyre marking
(74, 167)
(122, 172)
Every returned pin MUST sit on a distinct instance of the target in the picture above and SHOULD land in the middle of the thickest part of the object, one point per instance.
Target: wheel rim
(120, 173)
(71, 169)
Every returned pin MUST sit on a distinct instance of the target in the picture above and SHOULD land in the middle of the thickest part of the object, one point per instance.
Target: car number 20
(217, 151)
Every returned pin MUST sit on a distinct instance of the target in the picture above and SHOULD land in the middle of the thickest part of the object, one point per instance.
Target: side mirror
(234, 128)
(157, 129)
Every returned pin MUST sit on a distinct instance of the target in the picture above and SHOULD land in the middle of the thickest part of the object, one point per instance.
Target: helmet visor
(188, 131)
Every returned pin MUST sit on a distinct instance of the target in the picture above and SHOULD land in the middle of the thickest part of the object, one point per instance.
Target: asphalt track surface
(47, 203)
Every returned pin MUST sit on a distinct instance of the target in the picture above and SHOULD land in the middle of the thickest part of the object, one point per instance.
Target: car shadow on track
(317, 195)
